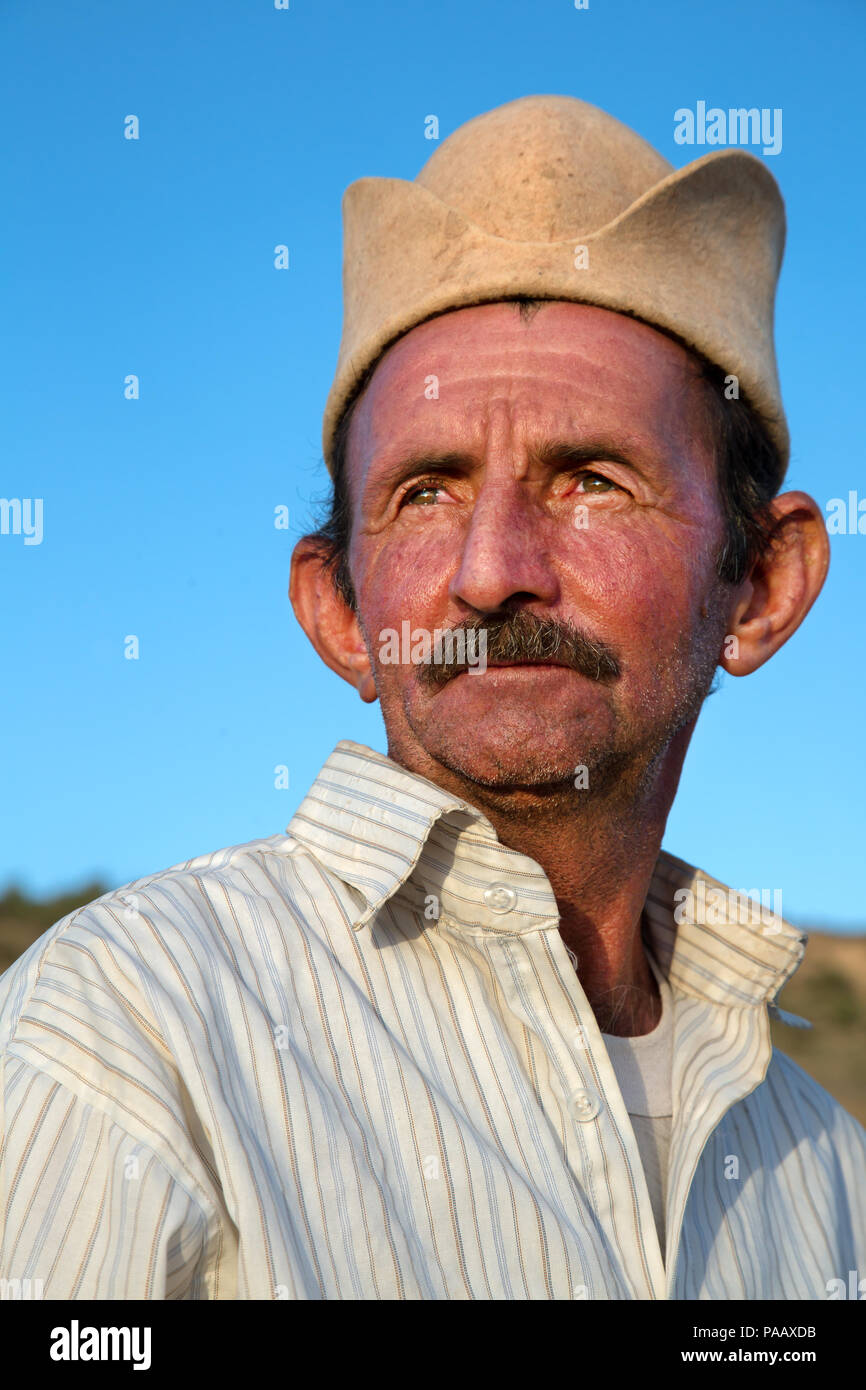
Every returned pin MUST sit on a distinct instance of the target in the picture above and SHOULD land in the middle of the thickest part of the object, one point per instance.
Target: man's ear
(327, 619)
(783, 584)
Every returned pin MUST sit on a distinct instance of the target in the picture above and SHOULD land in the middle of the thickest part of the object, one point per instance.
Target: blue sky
(155, 257)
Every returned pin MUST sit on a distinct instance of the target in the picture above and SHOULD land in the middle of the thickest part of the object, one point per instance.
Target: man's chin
(545, 706)
(541, 783)
(502, 757)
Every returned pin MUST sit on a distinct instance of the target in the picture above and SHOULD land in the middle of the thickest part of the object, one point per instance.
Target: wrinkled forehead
(567, 370)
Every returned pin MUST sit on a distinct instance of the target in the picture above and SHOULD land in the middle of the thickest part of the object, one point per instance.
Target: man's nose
(506, 551)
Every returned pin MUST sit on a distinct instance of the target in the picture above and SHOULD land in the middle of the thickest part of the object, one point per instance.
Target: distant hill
(829, 989)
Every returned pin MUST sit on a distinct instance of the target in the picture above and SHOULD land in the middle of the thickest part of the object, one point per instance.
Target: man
(465, 1032)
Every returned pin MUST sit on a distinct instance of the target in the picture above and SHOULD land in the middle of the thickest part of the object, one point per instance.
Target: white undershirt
(643, 1071)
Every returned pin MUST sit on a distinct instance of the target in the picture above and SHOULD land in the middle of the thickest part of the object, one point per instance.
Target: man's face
(564, 471)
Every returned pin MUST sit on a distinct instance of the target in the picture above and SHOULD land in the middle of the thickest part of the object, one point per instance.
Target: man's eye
(422, 496)
(591, 481)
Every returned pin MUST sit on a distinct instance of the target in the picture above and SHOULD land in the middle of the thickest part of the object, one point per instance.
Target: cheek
(407, 578)
(638, 587)
(612, 560)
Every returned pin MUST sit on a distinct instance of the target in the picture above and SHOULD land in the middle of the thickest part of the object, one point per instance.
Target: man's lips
(549, 665)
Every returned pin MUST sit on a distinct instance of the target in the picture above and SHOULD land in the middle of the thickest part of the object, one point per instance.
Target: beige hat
(549, 197)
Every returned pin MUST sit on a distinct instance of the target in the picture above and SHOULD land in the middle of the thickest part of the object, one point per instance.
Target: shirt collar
(382, 829)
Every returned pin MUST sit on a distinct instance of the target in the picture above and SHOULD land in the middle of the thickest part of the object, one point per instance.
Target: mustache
(523, 637)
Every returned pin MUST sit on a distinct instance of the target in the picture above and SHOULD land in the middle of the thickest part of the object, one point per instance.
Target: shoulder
(144, 993)
(150, 933)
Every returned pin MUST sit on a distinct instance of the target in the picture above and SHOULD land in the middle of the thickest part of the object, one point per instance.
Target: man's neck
(600, 870)
(599, 855)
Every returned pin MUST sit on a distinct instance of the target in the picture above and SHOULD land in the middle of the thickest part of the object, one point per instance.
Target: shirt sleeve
(86, 1210)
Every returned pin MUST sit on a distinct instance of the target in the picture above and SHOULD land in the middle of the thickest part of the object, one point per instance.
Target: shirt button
(500, 898)
(584, 1105)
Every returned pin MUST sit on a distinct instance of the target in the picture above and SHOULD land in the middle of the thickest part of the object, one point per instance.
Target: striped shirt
(355, 1061)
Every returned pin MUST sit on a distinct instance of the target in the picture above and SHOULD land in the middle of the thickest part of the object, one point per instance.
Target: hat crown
(542, 168)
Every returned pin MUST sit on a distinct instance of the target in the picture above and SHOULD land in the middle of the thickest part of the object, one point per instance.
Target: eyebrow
(414, 465)
(563, 451)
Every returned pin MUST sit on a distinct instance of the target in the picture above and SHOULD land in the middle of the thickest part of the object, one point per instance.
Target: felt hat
(550, 197)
